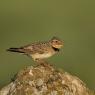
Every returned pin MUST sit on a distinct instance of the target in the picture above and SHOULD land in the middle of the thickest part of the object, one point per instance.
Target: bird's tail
(19, 50)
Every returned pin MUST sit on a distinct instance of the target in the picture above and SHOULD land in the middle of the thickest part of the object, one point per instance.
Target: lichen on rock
(44, 80)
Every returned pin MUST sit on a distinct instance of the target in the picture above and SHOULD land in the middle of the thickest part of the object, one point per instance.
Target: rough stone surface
(45, 80)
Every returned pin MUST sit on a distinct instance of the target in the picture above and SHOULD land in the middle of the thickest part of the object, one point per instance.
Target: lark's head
(56, 42)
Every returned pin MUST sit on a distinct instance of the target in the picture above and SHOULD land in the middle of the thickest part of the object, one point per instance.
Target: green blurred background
(23, 22)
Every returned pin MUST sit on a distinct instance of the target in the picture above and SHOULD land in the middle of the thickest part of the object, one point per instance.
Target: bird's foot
(43, 63)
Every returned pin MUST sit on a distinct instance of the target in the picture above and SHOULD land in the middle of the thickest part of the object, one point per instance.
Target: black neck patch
(55, 49)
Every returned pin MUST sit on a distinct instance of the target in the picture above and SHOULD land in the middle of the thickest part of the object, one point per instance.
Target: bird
(40, 50)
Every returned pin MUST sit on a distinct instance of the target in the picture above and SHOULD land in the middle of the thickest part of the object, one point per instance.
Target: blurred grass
(23, 22)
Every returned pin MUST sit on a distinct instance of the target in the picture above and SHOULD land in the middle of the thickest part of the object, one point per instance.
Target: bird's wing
(36, 48)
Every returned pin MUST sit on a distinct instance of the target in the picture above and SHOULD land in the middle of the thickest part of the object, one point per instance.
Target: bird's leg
(42, 62)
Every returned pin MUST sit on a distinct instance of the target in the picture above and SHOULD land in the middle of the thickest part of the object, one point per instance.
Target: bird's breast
(41, 56)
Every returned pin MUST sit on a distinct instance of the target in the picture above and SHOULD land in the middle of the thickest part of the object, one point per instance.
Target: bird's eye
(56, 41)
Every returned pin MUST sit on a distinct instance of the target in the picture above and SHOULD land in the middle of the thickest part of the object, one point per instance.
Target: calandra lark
(40, 50)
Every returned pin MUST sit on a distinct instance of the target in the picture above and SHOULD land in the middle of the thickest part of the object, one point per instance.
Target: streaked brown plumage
(40, 50)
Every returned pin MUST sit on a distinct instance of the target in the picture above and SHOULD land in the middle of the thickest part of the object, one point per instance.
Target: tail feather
(19, 50)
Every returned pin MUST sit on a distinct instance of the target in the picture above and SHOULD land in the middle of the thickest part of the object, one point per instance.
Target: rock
(45, 80)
